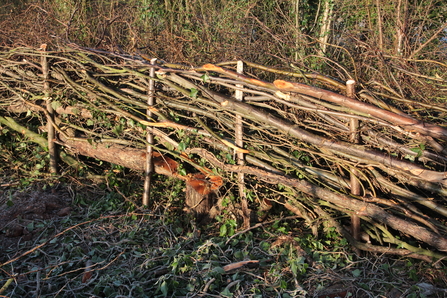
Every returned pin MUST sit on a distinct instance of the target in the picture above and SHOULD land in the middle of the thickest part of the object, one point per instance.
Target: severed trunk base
(200, 204)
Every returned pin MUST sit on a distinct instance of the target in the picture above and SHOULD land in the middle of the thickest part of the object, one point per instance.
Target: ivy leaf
(193, 93)
(182, 171)
(164, 288)
(118, 129)
(294, 268)
(226, 293)
(182, 146)
(419, 150)
(223, 230)
(205, 78)
(30, 226)
(356, 272)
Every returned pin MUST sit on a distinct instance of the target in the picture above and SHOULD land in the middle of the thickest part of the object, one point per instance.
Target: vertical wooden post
(52, 149)
(355, 184)
(149, 166)
(239, 132)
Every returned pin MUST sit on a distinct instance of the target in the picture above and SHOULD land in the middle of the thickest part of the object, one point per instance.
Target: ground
(106, 248)
(21, 211)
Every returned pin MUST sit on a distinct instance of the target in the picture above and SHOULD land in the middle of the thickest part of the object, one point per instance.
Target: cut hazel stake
(239, 131)
(355, 184)
(52, 149)
(149, 166)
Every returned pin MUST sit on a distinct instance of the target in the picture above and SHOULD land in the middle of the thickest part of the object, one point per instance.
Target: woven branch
(296, 137)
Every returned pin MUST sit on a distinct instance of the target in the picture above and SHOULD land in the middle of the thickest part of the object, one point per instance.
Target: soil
(23, 214)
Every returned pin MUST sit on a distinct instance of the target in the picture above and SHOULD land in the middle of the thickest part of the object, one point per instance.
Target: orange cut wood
(204, 185)
(280, 84)
(212, 67)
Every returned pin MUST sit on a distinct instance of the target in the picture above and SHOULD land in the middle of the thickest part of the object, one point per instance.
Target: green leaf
(385, 267)
(217, 271)
(193, 93)
(416, 150)
(118, 129)
(265, 245)
(182, 171)
(419, 150)
(226, 293)
(182, 146)
(205, 78)
(164, 288)
(168, 146)
(223, 230)
(294, 268)
(30, 226)
(356, 272)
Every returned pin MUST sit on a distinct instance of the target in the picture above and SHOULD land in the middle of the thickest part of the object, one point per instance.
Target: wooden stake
(52, 148)
(149, 167)
(239, 132)
(355, 184)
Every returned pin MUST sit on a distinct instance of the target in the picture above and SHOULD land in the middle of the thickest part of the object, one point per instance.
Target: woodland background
(111, 245)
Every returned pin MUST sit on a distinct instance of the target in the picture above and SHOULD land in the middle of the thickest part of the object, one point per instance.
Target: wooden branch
(287, 128)
(313, 76)
(375, 157)
(408, 123)
(360, 208)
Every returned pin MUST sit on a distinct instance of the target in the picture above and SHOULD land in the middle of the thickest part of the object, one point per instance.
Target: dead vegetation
(287, 134)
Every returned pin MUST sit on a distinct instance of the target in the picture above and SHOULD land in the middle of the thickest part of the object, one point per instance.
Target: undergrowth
(109, 247)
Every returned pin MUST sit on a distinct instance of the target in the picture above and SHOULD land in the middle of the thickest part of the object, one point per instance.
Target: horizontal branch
(360, 208)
